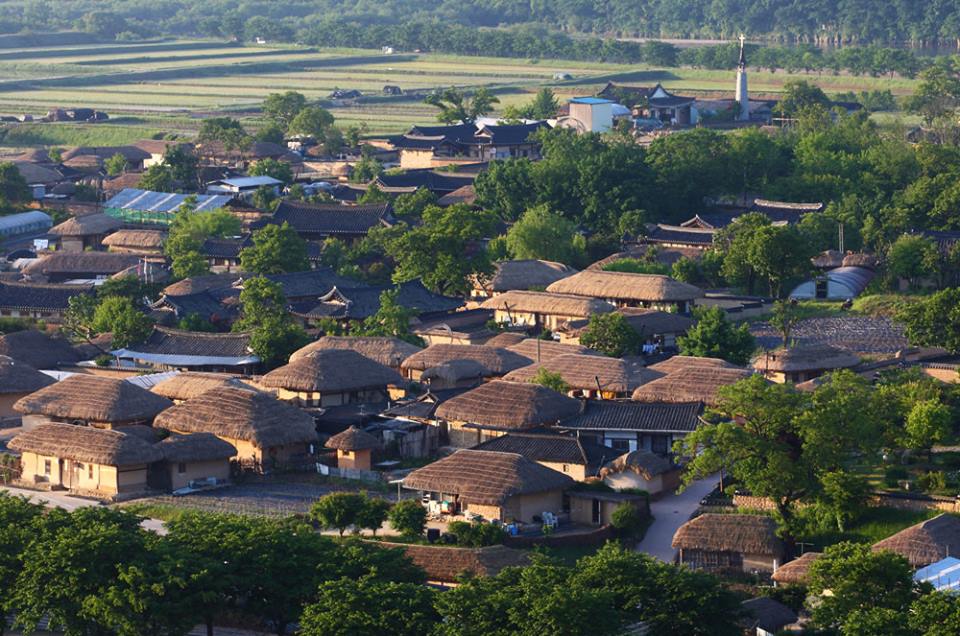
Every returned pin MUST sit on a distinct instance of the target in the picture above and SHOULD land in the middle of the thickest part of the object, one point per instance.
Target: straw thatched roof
(508, 405)
(456, 371)
(353, 439)
(144, 239)
(810, 357)
(389, 352)
(198, 447)
(626, 286)
(486, 477)
(768, 614)
(85, 444)
(526, 274)
(445, 564)
(197, 284)
(243, 414)
(690, 385)
(926, 542)
(869, 261)
(679, 363)
(498, 361)
(796, 572)
(93, 398)
(828, 259)
(87, 225)
(38, 349)
(331, 371)
(505, 339)
(17, 377)
(188, 385)
(645, 463)
(535, 302)
(544, 350)
(590, 372)
(746, 534)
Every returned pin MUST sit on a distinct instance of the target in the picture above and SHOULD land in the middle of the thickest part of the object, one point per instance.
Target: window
(181, 468)
(46, 467)
(622, 445)
(89, 471)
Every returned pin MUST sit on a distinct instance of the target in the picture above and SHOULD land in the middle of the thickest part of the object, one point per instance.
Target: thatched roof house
(563, 453)
(545, 350)
(591, 375)
(353, 439)
(522, 274)
(767, 614)
(38, 349)
(135, 241)
(799, 364)
(690, 385)
(509, 406)
(642, 470)
(630, 290)
(730, 541)
(516, 305)
(446, 564)
(455, 373)
(260, 426)
(87, 225)
(17, 378)
(501, 486)
(62, 266)
(389, 352)
(99, 401)
(188, 385)
(84, 444)
(796, 572)
(198, 447)
(498, 361)
(680, 363)
(168, 348)
(506, 339)
(653, 325)
(926, 542)
(332, 372)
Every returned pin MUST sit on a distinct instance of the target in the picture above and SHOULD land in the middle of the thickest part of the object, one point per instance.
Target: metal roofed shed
(242, 185)
(841, 283)
(24, 222)
(144, 206)
(944, 575)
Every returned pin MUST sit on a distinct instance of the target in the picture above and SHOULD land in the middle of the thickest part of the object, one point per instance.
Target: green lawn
(875, 524)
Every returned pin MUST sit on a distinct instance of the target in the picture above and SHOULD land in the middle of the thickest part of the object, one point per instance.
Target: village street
(669, 514)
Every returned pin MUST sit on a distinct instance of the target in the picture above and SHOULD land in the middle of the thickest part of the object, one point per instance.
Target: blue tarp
(133, 204)
(944, 575)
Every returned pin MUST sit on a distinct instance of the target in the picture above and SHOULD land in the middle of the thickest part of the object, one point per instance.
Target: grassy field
(158, 87)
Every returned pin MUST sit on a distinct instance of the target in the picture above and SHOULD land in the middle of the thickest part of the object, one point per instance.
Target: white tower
(742, 97)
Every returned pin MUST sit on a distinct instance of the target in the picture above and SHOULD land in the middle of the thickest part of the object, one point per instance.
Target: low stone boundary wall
(876, 499)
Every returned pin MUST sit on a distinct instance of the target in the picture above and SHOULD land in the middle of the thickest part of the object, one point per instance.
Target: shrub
(408, 517)
(893, 475)
(932, 481)
(627, 520)
(476, 534)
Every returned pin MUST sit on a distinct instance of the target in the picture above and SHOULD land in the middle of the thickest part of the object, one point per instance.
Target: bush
(627, 520)
(933, 481)
(893, 475)
(408, 517)
(476, 534)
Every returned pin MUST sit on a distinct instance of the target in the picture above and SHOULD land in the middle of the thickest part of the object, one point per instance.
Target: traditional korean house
(37, 349)
(682, 363)
(498, 361)
(679, 236)
(563, 453)
(134, 156)
(631, 426)
(528, 274)
(267, 433)
(390, 352)
(624, 289)
(40, 301)
(796, 572)
(642, 470)
(199, 459)
(223, 254)
(84, 232)
(926, 542)
(466, 195)
(91, 400)
(18, 380)
(333, 377)
(591, 376)
(540, 351)
(445, 565)
(358, 303)
(320, 221)
(467, 327)
(354, 448)
(657, 329)
(139, 242)
(542, 310)
(689, 385)
(60, 267)
(802, 363)
(505, 487)
(730, 543)
(85, 461)
(499, 407)
(175, 349)
(188, 385)
(766, 616)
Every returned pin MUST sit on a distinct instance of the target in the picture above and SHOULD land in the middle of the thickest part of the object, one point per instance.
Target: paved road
(62, 500)
(669, 514)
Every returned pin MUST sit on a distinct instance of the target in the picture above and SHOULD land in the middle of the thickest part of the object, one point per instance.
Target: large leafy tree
(13, 187)
(713, 336)
(263, 313)
(120, 317)
(17, 518)
(455, 106)
(543, 234)
(268, 167)
(392, 320)
(282, 108)
(369, 608)
(688, 167)
(188, 231)
(276, 249)
(611, 335)
(506, 187)
(934, 321)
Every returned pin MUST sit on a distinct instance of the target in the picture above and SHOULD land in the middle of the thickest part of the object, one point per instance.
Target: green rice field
(152, 88)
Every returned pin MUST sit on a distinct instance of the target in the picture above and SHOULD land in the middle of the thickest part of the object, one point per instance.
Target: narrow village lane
(669, 514)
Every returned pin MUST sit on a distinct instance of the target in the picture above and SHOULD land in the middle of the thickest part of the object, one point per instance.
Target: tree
(370, 608)
(115, 165)
(411, 206)
(859, 579)
(276, 249)
(543, 234)
(272, 133)
(929, 422)
(373, 514)
(17, 518)
(282, 108)
(408, 517)
(121, 318)
(456, 107)
(158, 178)
(224, 130)
(689, 166)
(264, 198)
(78, 318)
(182, 164)
(637, 266)
(316, 122)
(366, 170)
(263, 313)
(936, 614)
(627, 520)
(279, 170)
(13, 187)
(933, 321)
(188, 231)
(551, 380)
(713, 336)
(784, 318)
(912, 257)
(611, 335)
(543, 106)
(392, 320)
(338, 510)
(800, 94)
